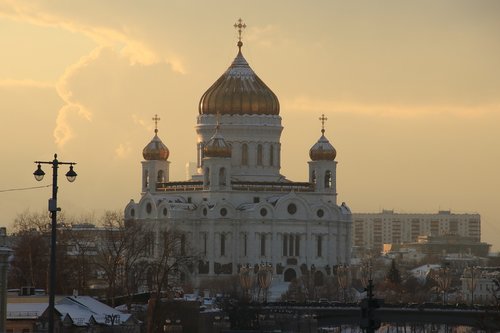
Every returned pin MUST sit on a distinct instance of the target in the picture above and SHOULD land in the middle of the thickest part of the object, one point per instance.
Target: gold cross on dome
(240, 26)
(156, 119)
(323, 119)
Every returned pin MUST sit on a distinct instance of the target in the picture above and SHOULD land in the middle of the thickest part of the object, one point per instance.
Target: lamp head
(39, 173)
(71, 175)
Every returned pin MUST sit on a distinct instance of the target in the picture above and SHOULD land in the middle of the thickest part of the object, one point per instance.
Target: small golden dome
(217, 146)
(322, 150)
(155, 150)
(239, 91)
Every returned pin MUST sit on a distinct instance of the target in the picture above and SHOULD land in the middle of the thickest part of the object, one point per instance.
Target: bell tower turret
(155, 167)
(323, 167)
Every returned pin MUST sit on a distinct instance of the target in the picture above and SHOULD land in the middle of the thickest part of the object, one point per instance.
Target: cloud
(103, 33)
(103, 91)
(308, 104)
(63, 131)
(123, 150)
(264, 36)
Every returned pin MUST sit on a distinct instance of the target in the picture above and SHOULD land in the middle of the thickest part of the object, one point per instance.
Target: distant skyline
(411, 90)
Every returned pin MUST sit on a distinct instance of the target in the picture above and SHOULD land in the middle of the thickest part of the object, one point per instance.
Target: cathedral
(238, 209)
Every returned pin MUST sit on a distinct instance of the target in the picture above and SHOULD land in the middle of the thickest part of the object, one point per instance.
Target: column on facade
(211, 248)
(275, 246)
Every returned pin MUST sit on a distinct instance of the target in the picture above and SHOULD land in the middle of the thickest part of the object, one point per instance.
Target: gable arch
(264, 210)
(292, 207)
(224, 210)
(146, 208)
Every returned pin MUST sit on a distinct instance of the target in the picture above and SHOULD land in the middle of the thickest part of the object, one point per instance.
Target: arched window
(161, 177)
(262, 245)
(207, 176)
(222, 245)
(222, 176)
(245, 241)
(146, 178)
(313, 177)
(259, 154)
(319, 246)
(328, 179)
(271, 155)
(290, 275)
(318, 278)
(244, 154)
(285, 244)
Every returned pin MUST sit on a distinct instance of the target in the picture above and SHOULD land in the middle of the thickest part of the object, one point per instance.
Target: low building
(27, 314)
(446, 244)
(481, 285)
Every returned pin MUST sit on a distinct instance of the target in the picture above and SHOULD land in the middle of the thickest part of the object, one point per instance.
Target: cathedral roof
(155, 150)
(239, 91)
(322, 150)
(217, 146)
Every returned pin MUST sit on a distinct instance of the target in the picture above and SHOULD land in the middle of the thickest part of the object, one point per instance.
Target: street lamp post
(53, 209)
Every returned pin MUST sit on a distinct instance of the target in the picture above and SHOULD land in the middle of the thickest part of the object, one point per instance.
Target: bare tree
(166, 270)
(120, 255)
(30, 239)
(31, 245)
(110, 252)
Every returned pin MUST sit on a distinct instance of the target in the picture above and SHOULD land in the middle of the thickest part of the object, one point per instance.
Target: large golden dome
(322, 150)
(239, 91)
(155, 150)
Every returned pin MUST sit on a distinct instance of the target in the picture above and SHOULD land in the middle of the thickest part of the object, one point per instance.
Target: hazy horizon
(411, 91)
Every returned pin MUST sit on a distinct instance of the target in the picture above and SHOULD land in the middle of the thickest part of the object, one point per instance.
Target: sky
(411, 90)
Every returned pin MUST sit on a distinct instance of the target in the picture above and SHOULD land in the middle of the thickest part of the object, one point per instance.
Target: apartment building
(372, 230)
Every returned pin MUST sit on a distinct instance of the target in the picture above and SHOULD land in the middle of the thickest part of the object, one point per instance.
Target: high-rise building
(238, 209)
(372, 230)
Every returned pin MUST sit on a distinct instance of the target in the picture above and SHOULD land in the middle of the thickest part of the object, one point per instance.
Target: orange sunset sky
(411, 90)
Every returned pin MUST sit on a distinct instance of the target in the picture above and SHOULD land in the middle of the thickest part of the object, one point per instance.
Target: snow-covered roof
(25, 310)
(421, 272)
(83, 309)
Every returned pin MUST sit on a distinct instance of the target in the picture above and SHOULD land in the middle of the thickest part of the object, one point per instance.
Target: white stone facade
(240, 210)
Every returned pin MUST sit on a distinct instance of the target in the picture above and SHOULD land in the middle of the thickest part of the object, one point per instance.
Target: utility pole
(368, 322)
